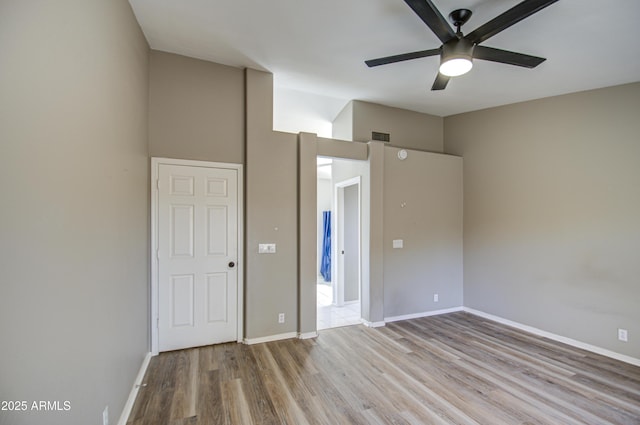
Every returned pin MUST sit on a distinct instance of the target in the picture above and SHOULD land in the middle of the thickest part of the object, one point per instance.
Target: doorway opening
(339, 246)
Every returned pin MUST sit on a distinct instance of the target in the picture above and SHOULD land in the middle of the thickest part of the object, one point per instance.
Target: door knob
(231, 264)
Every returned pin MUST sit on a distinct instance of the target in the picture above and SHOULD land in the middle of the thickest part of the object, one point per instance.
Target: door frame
(153, 248)
(338, 272)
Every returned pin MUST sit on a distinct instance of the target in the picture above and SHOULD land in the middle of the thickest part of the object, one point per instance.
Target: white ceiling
(319, 47)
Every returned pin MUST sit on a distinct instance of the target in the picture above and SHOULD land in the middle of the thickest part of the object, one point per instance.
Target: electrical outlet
(623, 335)
(435, 298)
(105, 416)
(281, 318)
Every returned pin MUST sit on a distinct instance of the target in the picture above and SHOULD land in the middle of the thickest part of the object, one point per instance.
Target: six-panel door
(197, 256)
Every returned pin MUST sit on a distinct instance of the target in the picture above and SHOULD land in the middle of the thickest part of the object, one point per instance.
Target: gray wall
(408, 129)
(351, 222)
(423, 207)
(552, 207)
(74, 185)
(307, 183)
(196, 109)
(271, 285)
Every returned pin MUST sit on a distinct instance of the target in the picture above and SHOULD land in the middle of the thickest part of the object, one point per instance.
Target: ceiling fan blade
(505, 56)
(403, 57)
(507, 19)
(432, 17)
(441, 82)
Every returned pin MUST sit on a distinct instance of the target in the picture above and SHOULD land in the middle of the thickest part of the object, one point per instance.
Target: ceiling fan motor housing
(458, 48)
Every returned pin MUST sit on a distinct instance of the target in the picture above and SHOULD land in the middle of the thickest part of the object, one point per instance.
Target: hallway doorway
(339, 248)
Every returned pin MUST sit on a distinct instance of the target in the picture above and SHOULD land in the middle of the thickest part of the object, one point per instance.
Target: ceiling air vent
(381, 137)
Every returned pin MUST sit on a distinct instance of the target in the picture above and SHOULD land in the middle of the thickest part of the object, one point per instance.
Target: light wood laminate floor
(449, 369)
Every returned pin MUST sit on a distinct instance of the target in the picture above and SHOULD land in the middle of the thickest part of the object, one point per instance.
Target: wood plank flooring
(449, 369)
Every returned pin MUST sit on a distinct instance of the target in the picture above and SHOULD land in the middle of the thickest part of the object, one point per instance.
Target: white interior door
(197, 256)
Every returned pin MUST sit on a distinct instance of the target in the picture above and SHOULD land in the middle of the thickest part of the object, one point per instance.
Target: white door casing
(197, 284)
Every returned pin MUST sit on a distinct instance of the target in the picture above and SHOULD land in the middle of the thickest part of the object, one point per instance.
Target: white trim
(126, 411)
(555, 337)
(155, 313)
(270, 338)
(373, 324)
(423, 314)
(308, 335)
(240, 266)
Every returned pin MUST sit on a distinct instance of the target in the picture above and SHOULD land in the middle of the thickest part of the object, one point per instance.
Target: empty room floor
(331, 316)
(449, 369)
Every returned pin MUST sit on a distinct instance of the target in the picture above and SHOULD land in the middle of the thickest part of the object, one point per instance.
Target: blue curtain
(325, 262)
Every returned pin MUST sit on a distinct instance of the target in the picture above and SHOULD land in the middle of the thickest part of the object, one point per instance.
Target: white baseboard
(126, 411)
(555, 337)
(278, 337)
(423, 314)
(308, 335)
(373, 324)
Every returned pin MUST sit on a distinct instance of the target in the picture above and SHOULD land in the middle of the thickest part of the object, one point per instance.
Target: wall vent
(381, 137)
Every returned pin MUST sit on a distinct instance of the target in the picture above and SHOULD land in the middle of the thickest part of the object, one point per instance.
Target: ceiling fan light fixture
(456, 58)
(455, 67)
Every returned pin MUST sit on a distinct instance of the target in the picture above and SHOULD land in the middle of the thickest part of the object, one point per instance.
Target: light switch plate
(266, 248)
(398, 243)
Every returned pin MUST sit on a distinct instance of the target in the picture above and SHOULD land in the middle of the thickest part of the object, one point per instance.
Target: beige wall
(307, 236)
(408, 129)
(422, 207)
(74, 186)
(196, 109)
(373, 307)
(552, 201)
(271, 285)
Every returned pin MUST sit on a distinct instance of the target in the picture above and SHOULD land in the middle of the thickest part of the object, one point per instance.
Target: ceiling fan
(458, 50)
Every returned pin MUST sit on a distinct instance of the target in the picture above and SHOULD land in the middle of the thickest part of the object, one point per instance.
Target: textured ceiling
(319, 47)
